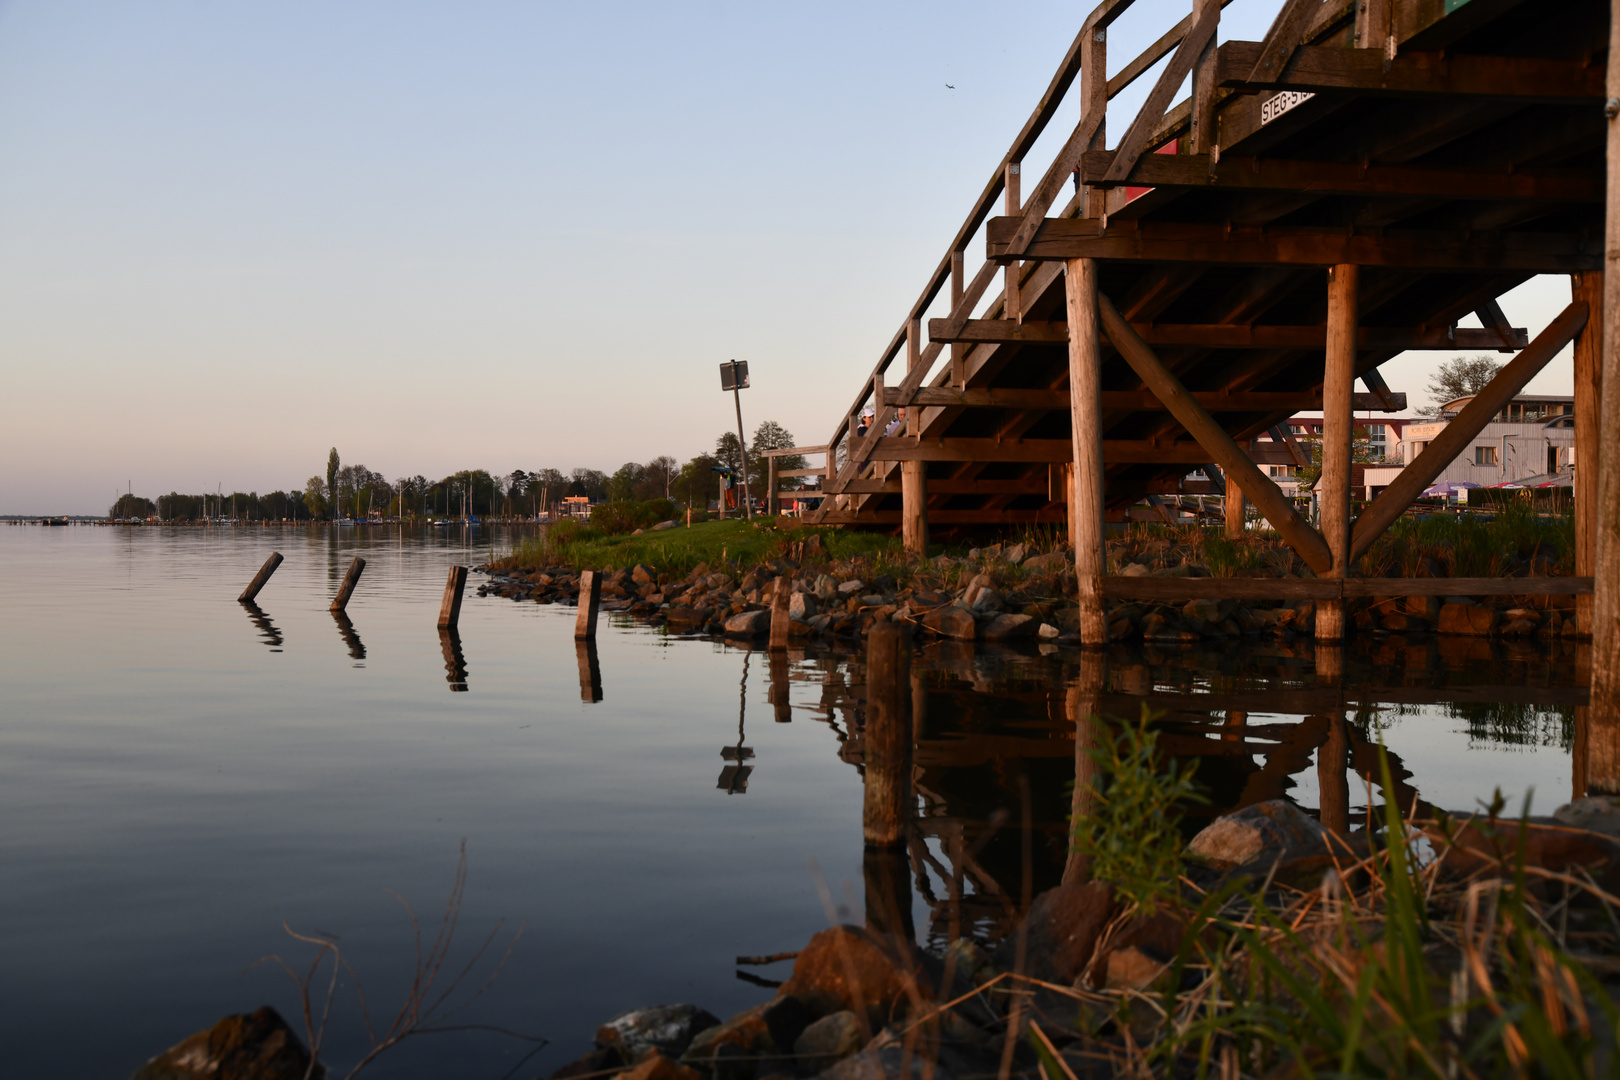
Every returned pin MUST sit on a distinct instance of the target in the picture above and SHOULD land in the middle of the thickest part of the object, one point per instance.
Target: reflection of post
(781, 625)
(590, 598)
(260, 578)
(778, 695)
(887, 810)
(350, 580)
(455, 664)
(1329, 663)
(272, 636)
(350, 638)
(887, 874)
(450, 606)
(590, 671)
(1085, 707)
(1332, 776)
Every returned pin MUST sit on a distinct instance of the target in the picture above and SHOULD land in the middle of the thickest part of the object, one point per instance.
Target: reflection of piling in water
(590, 672)
(350, 580)
(887, 809)
(450, 606)
(778, 693)
(590, 599)
(781, 624)
(272, 636)
(1329, 662)
(455, 663)
(886, 872)
(350, 638)
(1333, 778)
(1084, 701)
(260, 578)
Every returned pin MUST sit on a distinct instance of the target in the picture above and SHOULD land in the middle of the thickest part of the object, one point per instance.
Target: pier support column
(1333, 488)
(1234, 510)
(914, 506)
(1604, 722)
(886, 812)
(1587, 286)
(1085, 416)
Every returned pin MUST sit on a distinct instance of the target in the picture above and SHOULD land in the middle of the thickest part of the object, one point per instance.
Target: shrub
(613, 518)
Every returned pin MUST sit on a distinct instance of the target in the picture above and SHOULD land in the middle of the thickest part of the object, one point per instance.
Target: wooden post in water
(1085, 409)
(781, 625)
(1333, 488)
(450, 606)
(1332, 778)
(1604, 717)
(1234, 510)
(1587, 286)
(350, 580)
(886, 813)
(260, 578)
(590, 598)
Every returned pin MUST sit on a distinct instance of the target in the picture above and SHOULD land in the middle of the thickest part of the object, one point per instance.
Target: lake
(180, 775)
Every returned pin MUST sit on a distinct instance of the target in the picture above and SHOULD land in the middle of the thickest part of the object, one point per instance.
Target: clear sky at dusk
(487, 235)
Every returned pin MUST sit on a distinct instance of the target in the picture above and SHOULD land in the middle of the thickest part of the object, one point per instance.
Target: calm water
(178, 775)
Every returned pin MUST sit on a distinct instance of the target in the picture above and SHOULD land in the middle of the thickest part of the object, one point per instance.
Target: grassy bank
(678, 550)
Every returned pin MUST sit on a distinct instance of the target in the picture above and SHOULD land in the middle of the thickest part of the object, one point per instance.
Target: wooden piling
(350, 580)
(450, 606)
(1587, 286)
(1234, 511)
(260, 578)
(886, 813)
(1333, 489)
(590, 671)
(1085, 407)
(590, 599)
(886, 873)
(781, 625)
(1605, 708)
(914, 503)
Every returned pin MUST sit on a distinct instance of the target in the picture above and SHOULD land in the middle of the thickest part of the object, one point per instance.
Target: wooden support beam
(937, 487)
(1061, 239)
(1235, 524)
(1587, 288)
(1492, 318)
(1455, 436)
(1388, 399)
(1239, 468)
(1115, 451)
(794, 451)
(1294, 589)
(1051, 514)
(1339, 178)
(1603, 740)
(1086, 500)
(1135, 142)
(1135, 400)
(1281, 434)
(1339, 374)
(1286, 34)
(1236, 335)
(1316, 68)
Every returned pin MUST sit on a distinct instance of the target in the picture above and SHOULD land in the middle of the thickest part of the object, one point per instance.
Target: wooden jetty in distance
(1348, 188)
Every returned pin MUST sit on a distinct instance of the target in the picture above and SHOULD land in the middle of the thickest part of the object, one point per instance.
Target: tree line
(355, 491)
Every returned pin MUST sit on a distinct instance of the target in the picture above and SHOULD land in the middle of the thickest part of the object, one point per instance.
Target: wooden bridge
(1344, 190)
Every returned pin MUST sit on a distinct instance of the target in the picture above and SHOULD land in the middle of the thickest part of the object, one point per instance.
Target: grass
(678, 550)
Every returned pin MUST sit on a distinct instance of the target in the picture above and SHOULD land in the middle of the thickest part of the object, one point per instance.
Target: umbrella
(1449, 487)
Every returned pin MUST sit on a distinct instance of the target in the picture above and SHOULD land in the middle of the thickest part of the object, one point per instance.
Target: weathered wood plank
(1187, 588)
(1120, 451)
(1313, 69)
(1233, 336)
(1140, 400)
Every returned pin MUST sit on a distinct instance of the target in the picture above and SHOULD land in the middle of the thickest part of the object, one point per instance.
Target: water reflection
(734, 777)
(267, 629)
(590, 671)
(350, 638)
(455, 663)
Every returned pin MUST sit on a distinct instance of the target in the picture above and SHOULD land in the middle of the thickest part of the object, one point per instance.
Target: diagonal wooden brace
(1455, 436)
(1181, 64)
(1287, 33)
(1255, 485)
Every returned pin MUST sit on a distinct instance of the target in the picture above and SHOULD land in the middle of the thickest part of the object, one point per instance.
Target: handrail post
(1014, 203)
(1094, 100)
(958, 283)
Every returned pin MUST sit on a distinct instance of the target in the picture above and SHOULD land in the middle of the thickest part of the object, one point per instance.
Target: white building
(1532, 436)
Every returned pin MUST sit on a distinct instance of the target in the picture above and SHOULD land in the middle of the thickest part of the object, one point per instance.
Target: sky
(489, 235)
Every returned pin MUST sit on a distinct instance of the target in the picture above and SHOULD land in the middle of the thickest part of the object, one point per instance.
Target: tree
(1362, 452)
(589, 482)
(660, 473)
(315, 492)
(333, 464)
(1460, 377)
(132, 506)
(773, 436)
(621, 486)
(698, 482)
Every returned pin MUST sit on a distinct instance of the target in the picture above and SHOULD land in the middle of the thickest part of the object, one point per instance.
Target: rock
(1049, 563)
(1558, 848)
(245, 1046)
(873, 600)
(717, 580)
(598, 1061)
(1518, 628)
(1257, 833)
(666, 1028)
(1522, 614)
(1135, 569)
(885, 1059)
(801, 607)
(883, 981)
(670, 524)
(851, 587)
(1048, 632)
(951, 622)
(659, 1067)
(987, 600)
(1206, 610)
(1139, 954)
(1595, 813)
(1467, 619)
(1061, 933)
(980, 581)
(826, 588)
(1008, 626)
(1395, 622)
(641, 575)
(1015, 554)
(884, 583)
(749, 624)
(829, 1040)
(763, 1031)
(684, 616)
(1426, 608)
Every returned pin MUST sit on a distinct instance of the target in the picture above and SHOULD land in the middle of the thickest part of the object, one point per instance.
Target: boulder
(1426, 608)
(1045, 564)
(597, 1062)
(987, 600)
(1596, 813)
(848, 967)
(801, 607)
(763, 1031)
(670, 524)
(1061, 932)
(826, 588)
(684, 617)
(1048, 632)
(1259, 834)
(980, 581)
(1015, 554)
(245, 1046)
(1008, 626)
(885, 1058)
(1203, 610)
(658, 1067)
(642, 575)
(829, 1040)
(665, 1028)
(851, 587)
(749, 624)
(1135, 569)
(1467, 619)
(951, 622)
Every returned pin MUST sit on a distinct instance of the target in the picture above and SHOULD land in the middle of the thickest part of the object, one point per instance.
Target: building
(1385, 437)
(1533, 435)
